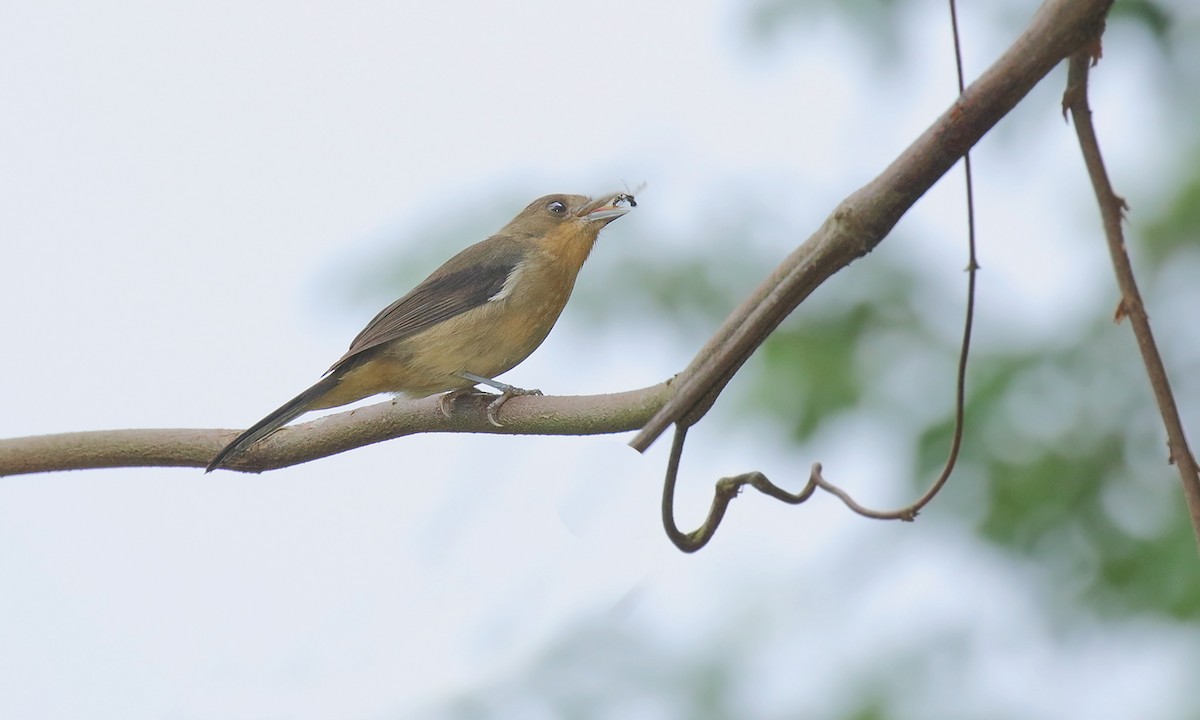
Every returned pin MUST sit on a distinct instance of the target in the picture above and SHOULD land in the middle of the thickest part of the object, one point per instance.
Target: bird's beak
(607, 208)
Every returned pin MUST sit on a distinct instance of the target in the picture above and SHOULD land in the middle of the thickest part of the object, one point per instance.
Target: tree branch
(528, 415)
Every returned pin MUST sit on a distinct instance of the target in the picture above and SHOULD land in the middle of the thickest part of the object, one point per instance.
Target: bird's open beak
(607, 208)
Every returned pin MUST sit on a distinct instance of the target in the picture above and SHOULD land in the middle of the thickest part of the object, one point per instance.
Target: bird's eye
(558, 207)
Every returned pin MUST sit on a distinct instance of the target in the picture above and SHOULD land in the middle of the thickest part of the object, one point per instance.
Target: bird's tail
(290, 410)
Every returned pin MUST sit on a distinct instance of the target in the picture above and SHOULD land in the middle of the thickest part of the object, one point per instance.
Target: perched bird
(478, 315)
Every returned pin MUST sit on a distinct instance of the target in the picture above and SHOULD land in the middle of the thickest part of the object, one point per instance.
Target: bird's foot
(508, 391)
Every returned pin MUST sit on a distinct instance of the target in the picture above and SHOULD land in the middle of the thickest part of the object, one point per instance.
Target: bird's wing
(466, 281)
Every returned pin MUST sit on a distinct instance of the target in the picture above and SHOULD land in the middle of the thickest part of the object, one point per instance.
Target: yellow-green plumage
(481, 313)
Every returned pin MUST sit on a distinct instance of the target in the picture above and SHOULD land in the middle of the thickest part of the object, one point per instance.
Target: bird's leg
(506, 392)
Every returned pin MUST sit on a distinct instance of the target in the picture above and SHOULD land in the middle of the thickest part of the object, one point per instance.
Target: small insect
(628, 195)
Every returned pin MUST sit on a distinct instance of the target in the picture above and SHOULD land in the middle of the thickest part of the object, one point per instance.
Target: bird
(477, 316)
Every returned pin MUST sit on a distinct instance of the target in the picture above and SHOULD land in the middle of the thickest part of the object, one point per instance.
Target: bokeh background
(201, 204)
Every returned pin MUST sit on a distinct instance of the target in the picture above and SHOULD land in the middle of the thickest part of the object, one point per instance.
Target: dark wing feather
(466, 281)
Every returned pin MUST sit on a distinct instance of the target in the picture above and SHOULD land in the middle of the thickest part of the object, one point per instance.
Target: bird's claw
(510, 392)
(447, 401)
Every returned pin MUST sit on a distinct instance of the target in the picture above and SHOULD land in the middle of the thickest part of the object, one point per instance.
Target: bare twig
(1112, 207)
(728, 488)
(960, 391)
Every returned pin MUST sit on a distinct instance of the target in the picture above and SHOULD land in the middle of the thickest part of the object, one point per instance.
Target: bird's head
(571, 214)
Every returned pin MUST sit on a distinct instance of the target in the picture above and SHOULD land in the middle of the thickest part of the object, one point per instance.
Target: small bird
(477, 316)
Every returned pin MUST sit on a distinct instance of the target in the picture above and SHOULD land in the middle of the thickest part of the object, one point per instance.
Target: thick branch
(862, 220)
(533, 415)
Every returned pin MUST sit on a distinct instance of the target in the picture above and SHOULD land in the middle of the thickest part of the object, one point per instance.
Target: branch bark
(333, 434)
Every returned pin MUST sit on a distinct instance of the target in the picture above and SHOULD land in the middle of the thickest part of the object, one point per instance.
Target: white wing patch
(510, 282)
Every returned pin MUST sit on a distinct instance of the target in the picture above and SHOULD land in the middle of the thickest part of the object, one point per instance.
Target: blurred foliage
(604, 669)
(1063, 437)
(810, 373)
(1179, 224)
(1153, 16)
(777, 21)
